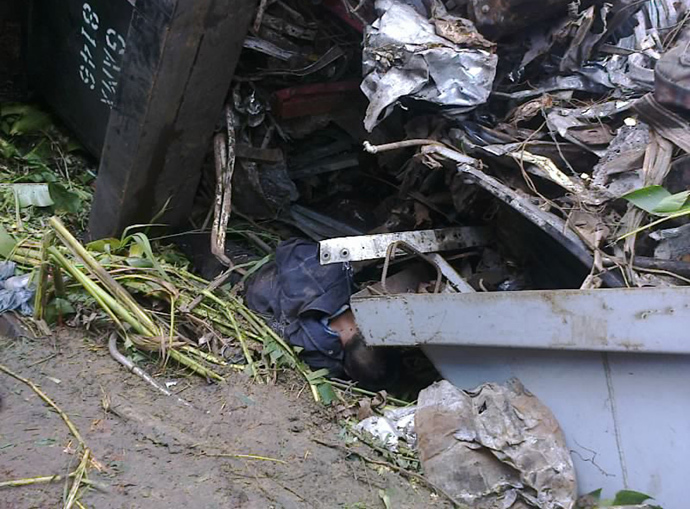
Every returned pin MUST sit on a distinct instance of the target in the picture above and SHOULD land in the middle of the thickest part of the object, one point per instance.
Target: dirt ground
(157, 453)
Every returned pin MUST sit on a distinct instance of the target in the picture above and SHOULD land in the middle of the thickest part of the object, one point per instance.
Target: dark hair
(374, 368)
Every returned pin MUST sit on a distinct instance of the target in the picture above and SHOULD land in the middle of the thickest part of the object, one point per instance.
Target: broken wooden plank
(172, 89)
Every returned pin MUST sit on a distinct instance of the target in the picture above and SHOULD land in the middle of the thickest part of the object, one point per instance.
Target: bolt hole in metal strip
(371, 247)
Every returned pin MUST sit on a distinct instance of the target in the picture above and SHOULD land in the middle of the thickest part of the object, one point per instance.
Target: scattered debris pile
(536, 145)
(546, 129)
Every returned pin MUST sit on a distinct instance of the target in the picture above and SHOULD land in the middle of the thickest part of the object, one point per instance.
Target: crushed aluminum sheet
(404, 57)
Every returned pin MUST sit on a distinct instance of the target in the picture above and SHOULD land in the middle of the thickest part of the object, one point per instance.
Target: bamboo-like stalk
(204, 355)
(240, 338)
(24, 260)
(107, 303)
(343, 386)
(16, 483)
(78, 475)
(73, 429)
(40, 299)
(104, 277)
(194, 365)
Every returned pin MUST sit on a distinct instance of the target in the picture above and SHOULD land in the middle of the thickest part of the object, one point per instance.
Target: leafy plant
(622, 498)
(40, 176)
(658, 201)
(24, 118)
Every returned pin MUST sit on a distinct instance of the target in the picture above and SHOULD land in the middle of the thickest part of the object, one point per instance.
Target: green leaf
(143, 242)
(385, 498)
(40, 153)
(596, 494)
(326, 393)
(58, 308)
(65, 201)
(136, 251)
(275, 356)
(104, 245)
(672, 203)
(41, 175)
(657, 200)
(647, 198)
(9, 109)
(31, 121)
(629, 497)
(74, 146)
(7, 149)
(315, 375)
(7, 242)
(139, 263)
(37, 195)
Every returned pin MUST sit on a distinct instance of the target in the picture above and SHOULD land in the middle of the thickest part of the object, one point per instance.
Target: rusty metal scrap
(494, 446)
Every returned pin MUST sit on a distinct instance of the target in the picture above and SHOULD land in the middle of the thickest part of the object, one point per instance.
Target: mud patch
(160, 454)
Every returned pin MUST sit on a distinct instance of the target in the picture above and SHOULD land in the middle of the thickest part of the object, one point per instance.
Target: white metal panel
(617, 319)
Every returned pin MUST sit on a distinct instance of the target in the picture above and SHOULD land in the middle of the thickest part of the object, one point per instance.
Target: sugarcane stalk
(194, 365)
(104, 300)
(103, 276)
(78, 475)
(40, 299)
(240, 338)
(73, 429)
(206, 356)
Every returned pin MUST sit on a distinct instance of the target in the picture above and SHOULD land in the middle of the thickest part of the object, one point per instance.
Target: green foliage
(7, 242)
(24, 118)
(65, 201)
(39, 174)
(629, 497)
(622, 498)
(57, 309)
(658, 201)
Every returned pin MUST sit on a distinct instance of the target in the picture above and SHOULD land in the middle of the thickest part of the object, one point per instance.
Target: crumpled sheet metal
(404, 57)
(496, 446)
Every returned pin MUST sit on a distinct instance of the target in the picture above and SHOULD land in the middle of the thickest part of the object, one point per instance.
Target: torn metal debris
(407, 55)
(494, 446)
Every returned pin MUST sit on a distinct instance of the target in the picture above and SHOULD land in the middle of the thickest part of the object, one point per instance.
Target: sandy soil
(157, 453)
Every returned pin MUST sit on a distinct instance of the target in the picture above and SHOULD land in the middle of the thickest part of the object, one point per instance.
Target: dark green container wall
(75, 49)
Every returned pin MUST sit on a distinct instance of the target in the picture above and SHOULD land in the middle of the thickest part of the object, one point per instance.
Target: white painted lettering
(90, 17)
(115, 41)
(87, 77)
(88, 37)
(87, 57)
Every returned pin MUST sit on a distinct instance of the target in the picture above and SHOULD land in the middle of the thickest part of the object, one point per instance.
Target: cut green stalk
(194, 365)
(349, 387)
(652, 224)
(78, 475)
(103, 298)
(102, 275)
(240, 338)
(40, 299)
(25, 261)
(203, 355)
